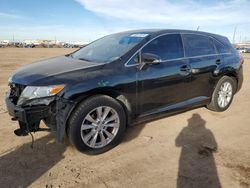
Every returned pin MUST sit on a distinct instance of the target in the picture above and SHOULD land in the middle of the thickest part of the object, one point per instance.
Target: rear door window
(198, 45)
(167, 47)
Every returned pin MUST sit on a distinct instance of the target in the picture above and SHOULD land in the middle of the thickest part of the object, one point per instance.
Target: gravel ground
(198, 148)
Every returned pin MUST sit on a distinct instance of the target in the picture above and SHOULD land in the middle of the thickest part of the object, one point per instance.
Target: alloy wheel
(225, 94)
(100, 127)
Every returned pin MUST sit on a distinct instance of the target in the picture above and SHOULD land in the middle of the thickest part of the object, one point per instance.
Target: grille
(15, 91)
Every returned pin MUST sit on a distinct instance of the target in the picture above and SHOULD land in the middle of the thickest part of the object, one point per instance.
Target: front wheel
(223, 94)
(97, 124)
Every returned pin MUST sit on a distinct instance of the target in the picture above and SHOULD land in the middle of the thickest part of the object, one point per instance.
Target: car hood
(56, 69)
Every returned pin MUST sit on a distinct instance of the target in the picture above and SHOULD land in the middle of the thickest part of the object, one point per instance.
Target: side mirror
(148, 58)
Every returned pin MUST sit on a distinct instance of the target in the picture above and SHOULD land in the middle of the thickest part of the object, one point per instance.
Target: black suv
(92, 94)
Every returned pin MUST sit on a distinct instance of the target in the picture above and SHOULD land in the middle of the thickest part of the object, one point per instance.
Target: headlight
(33, 92)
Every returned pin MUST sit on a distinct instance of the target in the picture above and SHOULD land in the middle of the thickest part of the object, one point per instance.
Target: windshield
(109, 48)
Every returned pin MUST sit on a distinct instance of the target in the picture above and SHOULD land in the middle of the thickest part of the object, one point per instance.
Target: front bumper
(27, 115)
(54, 114)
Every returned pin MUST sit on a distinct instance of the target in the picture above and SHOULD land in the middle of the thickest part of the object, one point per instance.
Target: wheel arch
(104, 91)
(233, 74)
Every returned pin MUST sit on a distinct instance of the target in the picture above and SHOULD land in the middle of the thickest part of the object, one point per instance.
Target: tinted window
(220, 47)
(109, 48)
(166, 47)
(196, 45)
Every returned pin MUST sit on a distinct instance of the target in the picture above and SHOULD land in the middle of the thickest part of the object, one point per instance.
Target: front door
(163, 84)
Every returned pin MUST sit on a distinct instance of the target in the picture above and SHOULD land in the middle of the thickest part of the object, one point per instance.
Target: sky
(87, 20)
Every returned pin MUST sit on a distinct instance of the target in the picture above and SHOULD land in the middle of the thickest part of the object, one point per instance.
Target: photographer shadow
(197, 166)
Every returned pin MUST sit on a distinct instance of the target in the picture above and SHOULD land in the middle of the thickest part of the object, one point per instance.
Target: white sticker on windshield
(141, 35)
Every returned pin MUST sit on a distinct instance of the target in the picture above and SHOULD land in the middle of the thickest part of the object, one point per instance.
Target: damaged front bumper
(55, 115)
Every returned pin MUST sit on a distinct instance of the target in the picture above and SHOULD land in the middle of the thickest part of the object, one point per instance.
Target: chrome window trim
(183, 58)
(126, 64)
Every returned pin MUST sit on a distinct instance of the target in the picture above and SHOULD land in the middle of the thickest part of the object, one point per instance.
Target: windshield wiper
(83, 59)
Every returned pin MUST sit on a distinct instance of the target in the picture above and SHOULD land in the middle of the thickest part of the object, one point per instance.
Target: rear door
(203, 59)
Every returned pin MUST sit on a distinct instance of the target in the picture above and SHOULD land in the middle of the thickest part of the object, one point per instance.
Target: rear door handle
(218, 62)
(185, 68)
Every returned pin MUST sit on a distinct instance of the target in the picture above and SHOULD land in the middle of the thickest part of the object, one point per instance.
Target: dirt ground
(177, 151)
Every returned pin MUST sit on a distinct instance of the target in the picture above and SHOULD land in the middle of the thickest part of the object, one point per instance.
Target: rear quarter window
(198, 45)
(221, 48)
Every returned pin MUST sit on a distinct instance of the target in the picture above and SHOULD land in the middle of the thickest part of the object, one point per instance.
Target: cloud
(10, 16)
(61, 32)
(164, 12)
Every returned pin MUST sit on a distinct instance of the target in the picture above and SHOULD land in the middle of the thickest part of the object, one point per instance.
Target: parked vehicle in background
(243, 50)
(247, 50)
(29, 46)
(68, 45)
(4, 42)
(16, 44)
(239, 50)
(94, 93)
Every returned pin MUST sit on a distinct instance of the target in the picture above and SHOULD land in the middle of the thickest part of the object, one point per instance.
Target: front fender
(84, 94)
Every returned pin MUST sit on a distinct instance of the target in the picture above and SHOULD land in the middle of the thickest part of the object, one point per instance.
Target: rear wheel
(223, 94)
(97, 124)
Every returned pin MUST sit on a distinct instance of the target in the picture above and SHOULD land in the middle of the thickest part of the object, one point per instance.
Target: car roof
(155, 32)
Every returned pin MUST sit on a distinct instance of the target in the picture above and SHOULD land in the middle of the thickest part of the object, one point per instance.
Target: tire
(216, 102)
(89, 117)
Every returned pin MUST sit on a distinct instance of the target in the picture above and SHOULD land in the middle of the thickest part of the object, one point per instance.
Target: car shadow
(133, 132)
(197, 166)
(22, 166)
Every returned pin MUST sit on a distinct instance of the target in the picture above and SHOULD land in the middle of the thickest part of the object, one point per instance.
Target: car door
(163, 84)
(203, 60)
